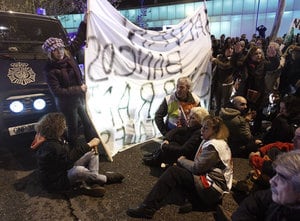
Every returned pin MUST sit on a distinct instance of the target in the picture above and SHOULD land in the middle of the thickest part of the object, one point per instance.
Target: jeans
(86, 169)
(73, 111)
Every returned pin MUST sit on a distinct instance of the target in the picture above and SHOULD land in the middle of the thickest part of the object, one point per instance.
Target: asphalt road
(22, 197)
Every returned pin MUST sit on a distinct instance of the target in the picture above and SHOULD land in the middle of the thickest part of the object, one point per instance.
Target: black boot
(186, 208)
(146, 155)
(93, 190)
(113, 177)
(153, 161)
(142, 211)
(153, 154)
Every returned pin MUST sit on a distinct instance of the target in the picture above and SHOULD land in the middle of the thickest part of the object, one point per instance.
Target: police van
(24, 94)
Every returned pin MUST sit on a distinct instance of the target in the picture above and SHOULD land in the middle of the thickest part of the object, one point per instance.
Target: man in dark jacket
(181, 141)
(241, 140)
(176, 107)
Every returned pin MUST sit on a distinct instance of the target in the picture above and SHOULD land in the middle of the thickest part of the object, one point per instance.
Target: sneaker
(113, 177)
(95, 190)
(142, 211)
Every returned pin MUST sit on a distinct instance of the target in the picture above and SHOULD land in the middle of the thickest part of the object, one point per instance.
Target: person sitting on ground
(202, 181)
(181, 141)
(235, 116)
(59, 166)
(282, 200)
(285, 123)
(176, 107)
(271, 110)
(261, 162)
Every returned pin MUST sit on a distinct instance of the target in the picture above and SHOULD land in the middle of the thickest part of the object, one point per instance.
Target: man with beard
(176, 107)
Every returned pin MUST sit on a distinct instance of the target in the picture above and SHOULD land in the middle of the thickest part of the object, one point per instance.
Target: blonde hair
(50, 55)
(276, 46)
(200, 113)
(218, 126)
(51, 126)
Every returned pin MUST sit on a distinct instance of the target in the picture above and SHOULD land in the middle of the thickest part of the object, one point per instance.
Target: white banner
(130, 70)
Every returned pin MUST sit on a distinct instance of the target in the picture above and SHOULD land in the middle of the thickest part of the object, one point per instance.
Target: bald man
(241, 140)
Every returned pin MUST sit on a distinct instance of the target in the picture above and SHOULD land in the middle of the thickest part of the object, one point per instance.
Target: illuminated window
(180, 11)
(227, 7)
(171, 12)
(233, 17)
(163, 13)
(217, 7)
(154, 12)
(238, 7)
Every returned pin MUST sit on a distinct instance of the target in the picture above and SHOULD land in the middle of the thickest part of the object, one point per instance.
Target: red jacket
(257, 161)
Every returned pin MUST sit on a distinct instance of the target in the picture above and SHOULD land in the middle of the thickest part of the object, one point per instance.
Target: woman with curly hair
(61, 168)
(203, 181)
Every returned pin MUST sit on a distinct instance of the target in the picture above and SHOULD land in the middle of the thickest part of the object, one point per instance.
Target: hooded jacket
(239, 129)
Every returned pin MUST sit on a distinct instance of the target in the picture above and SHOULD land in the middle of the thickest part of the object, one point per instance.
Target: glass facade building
(229, 17)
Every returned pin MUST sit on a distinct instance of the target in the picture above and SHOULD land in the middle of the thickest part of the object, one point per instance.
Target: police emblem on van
(21, 73)
(24, 92)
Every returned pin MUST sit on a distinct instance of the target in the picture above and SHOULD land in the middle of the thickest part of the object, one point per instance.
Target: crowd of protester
(255, 96)
(263, 73)
(253, 112)
(256, 89)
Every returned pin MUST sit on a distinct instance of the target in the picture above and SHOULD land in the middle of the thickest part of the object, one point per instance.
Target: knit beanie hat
(52, 43)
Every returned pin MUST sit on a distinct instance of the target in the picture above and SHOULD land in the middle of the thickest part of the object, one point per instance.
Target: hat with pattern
(52, 43)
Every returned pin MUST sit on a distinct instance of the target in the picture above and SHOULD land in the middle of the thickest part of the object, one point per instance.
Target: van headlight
(39, 104)
(16, 106)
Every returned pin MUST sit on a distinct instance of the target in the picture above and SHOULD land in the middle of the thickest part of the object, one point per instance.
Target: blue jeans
(73, 111)
(86, 169)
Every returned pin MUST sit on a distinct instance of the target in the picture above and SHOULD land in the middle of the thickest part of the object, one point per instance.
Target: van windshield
(26, 34)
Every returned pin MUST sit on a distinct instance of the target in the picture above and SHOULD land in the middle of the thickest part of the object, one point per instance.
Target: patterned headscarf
(52, 43)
